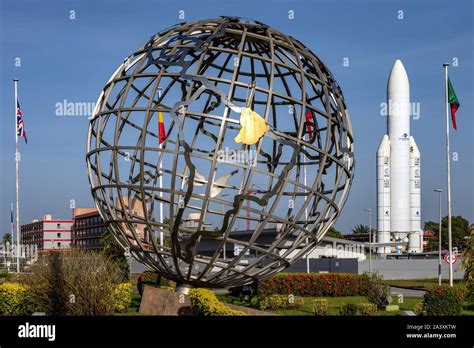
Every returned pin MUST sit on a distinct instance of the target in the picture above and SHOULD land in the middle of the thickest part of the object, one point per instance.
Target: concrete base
(156, 301)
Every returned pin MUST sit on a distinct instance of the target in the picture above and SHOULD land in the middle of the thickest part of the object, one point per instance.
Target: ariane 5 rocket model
(398, 171)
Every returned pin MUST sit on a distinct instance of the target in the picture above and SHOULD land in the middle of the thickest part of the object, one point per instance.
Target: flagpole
(448, 159)
(161, 181)
(17, 177)
(306, 208)
(306, 214)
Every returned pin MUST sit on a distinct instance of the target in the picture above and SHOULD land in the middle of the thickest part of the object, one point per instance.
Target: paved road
(407, 292)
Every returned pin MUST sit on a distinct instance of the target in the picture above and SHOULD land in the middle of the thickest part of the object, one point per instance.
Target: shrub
(367, 309)
(5, 277)
(245, 301)
(443, 300)
(150, 278)
(470, 290)
(418, 309)
(295, 302)
(348, 309)
(312, 284)
(468, 266)
(375, 289)
(274, 302)
(74, 282)
(122, 297)
(15, 300)
(205, 303)
(320, 306)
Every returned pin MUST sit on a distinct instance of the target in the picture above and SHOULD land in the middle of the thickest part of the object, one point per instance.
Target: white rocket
(398, 171)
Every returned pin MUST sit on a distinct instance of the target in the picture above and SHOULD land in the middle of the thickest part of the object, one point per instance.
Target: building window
(59, 235)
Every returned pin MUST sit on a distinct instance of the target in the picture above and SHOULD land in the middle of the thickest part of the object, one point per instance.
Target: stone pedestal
(156, 301)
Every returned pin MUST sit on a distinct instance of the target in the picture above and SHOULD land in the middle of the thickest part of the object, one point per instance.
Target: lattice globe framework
(194, 205)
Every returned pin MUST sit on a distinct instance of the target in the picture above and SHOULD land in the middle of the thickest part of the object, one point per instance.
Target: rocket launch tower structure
(398, 171)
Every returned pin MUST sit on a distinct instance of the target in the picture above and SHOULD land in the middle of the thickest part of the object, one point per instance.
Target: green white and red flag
(453, 102)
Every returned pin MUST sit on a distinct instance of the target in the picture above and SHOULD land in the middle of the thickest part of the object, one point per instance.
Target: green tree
(115, 253)
(7, 237)
(332, 232)
(460, 232)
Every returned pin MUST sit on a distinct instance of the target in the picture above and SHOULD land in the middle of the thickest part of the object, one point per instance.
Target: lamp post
(439, 236)
(370, 239)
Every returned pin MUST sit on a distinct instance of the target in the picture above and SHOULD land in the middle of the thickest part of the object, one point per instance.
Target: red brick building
(87, 229)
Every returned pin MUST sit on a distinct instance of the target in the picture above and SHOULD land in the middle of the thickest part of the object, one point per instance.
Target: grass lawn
(420, 284)
(468, 308)
(335, 303)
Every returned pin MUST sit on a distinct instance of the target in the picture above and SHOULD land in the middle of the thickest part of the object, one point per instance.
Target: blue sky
(72, 59)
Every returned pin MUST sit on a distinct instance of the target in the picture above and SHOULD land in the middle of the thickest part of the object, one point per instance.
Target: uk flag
(20, 126)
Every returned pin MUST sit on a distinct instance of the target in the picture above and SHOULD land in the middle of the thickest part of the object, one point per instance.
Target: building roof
(273, 230)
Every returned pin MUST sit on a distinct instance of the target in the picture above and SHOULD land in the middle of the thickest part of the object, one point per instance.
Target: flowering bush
(205, 303)
(312, 284)
(122, 297)
(15, 300)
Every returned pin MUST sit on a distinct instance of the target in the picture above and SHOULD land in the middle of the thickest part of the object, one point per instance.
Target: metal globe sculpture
(220, 152)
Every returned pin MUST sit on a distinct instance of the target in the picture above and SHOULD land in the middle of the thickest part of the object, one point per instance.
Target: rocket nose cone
(398, 80)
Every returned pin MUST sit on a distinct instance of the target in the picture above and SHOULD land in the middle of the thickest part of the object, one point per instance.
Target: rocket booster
(398, 170)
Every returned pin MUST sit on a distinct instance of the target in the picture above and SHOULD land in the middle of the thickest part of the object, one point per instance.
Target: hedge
(205, 303)
(443, 300)
(314, 284)
(150, 278)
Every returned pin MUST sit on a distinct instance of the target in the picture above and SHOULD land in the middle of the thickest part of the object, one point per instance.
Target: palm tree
(360, 229)
(7, 237)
